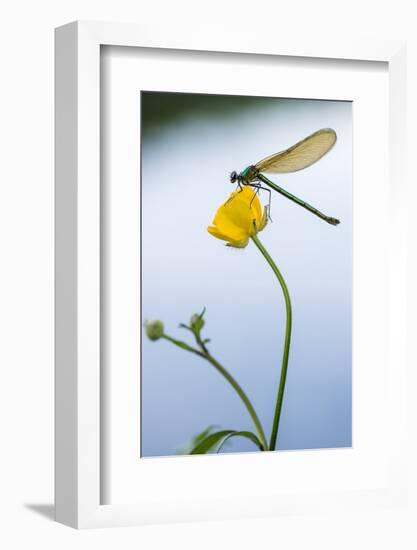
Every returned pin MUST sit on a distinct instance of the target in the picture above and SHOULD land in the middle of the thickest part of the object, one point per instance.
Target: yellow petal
(239, 244)
(239, 218)
(216, 233)
(247, 193)
(234, 215)
(235, 242)
(251, 198)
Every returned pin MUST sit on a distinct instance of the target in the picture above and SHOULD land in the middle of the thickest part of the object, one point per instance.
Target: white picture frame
(78, 321)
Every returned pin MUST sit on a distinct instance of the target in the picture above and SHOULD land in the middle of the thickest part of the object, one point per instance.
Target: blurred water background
(190, 144)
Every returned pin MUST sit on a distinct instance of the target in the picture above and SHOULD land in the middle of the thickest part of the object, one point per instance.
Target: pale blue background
(189, 149)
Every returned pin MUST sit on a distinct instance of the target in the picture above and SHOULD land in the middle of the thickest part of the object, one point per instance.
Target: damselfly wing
(301, 155)
(297, 157)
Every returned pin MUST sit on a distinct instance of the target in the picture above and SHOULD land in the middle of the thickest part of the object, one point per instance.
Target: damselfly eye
(233, 177)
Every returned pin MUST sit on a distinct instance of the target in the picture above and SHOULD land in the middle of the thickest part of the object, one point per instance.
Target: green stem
(242, 396)
(287, 342)
(235, 385)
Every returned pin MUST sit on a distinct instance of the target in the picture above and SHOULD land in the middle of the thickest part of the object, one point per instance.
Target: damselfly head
(233, 177)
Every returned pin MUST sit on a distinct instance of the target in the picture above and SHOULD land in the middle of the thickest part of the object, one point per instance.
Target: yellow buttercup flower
(239, 218)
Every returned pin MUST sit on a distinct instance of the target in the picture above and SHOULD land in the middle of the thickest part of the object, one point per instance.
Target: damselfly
(297, 157)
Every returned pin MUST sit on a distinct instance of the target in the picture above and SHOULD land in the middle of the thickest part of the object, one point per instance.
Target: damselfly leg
(256, 185)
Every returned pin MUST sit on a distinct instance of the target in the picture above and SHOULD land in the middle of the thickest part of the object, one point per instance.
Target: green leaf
(195, 440)
(209, 442)
(199, 437)
(249, 435)
(178, 343)
(183, 325)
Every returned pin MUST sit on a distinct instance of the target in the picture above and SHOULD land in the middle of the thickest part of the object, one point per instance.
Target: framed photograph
(230, 306)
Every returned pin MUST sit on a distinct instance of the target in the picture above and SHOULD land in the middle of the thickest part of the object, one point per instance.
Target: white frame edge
(77, 238)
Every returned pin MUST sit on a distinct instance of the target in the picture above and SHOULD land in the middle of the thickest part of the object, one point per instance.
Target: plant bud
(197, 322)
(154, 329)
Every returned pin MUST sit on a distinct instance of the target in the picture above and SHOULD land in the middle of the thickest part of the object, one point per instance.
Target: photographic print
(246, 274)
